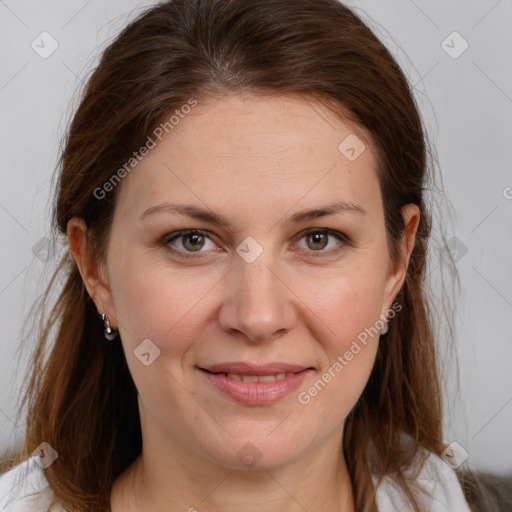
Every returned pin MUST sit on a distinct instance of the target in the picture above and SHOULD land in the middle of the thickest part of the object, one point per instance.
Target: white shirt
(25, 489)
(443, 492)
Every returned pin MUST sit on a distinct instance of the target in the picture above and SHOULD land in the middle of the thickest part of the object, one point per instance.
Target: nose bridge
(259, 305)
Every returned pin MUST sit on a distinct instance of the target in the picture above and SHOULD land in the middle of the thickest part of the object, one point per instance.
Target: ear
(91, 269)
(396, 276)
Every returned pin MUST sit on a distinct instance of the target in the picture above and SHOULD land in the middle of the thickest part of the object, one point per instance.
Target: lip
(255, 393)
(254, 369)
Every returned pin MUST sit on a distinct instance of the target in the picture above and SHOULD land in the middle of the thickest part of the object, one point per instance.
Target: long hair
(81, 398)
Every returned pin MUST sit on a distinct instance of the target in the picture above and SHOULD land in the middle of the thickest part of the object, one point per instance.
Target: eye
(190, 241)
(194, 240)
(318, 239)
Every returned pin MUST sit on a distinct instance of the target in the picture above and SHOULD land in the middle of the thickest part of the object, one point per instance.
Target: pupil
(193, 238)
(318, 239)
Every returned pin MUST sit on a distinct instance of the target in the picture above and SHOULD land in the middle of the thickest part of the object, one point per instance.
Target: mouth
(255, 385)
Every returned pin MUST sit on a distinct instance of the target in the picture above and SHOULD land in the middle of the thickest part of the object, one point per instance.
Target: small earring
(384, 329)
(109, 333)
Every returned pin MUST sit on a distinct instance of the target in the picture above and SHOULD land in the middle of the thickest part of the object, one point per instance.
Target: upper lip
(243, 368)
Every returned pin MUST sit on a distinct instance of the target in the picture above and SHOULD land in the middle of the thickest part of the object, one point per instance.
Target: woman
(242, 191)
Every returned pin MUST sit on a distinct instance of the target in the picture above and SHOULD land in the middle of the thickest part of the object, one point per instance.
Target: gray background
(466, 101)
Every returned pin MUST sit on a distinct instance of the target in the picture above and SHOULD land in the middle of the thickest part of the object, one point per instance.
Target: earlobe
(89, 267)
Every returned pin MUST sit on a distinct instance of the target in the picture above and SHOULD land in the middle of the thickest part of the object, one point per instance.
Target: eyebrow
(205, 214)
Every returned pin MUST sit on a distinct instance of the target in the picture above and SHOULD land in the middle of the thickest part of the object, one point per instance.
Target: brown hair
(81, 398)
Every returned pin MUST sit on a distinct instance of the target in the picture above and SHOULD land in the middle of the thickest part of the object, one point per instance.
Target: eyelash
(345, 241)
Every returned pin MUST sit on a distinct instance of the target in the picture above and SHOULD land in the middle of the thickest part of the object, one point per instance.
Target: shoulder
(438, 485)
(24, 488)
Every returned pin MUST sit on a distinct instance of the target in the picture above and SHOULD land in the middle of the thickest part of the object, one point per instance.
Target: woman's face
(270, 290)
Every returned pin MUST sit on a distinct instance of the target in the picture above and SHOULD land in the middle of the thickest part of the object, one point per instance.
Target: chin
(258, 451)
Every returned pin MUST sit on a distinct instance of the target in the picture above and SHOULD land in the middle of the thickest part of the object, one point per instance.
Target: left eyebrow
(330, 209)
(207, 215)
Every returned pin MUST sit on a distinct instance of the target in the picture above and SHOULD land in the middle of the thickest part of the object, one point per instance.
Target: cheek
(155, 302)
(349, 304)
(152, 302)
(350, 308)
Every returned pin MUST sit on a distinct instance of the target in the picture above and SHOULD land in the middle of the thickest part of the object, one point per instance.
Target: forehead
(257, 155)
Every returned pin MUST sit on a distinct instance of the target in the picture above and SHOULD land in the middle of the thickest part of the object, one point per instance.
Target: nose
(258, 302)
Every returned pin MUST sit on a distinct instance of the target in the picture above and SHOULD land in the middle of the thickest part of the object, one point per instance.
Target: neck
(182, 480)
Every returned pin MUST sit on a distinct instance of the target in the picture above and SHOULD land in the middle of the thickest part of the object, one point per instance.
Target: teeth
(250, 378)
(267, 378)
(258, 378)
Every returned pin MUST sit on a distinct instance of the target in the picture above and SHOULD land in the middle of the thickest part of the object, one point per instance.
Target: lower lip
(256, 393)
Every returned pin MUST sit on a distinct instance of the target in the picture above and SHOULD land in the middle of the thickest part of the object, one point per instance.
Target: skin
(256, 161)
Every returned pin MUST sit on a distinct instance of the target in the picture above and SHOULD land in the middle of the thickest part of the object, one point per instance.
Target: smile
(255, 389)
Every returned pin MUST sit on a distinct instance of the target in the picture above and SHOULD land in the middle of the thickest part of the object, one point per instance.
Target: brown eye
(189, 241)
(193, 241)
(318, 240)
